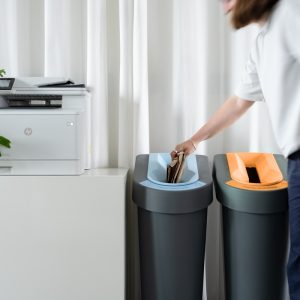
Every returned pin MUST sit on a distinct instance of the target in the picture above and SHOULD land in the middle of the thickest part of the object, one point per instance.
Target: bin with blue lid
(172, 226)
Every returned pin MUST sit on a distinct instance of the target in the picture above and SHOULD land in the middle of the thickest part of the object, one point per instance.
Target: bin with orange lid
(252, 189)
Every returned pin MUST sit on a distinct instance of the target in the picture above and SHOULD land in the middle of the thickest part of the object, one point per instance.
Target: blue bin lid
(152, 193)
(157, 169)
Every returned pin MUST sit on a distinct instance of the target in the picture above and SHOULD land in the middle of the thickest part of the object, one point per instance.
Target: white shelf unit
(63, 237)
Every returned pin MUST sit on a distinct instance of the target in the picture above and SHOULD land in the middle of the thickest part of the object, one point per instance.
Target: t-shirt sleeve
(249, 87)
(292, 28)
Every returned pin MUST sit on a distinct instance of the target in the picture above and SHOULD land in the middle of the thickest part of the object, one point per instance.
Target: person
(272, 75)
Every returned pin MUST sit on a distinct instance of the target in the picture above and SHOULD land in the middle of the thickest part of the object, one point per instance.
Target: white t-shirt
(272, 73)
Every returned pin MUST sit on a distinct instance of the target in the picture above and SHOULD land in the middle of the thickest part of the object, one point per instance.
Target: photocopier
(47, 121)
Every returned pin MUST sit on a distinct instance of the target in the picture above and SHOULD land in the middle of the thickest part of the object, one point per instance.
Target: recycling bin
(172, 226)
(252, 189)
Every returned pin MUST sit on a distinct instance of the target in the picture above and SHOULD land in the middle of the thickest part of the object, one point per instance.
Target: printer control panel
(6, 83)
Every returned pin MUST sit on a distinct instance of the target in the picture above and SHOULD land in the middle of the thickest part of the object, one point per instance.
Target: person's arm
(232, 109)
(248, 92)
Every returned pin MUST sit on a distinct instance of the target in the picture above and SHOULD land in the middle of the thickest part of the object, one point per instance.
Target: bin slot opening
(254, 168)
(157, 169)
(253, 175)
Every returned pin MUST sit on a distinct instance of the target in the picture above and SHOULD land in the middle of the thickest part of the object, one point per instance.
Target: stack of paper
(175, 168)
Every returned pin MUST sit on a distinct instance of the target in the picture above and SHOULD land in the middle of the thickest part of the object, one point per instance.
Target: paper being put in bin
(158, 164)
(175, 168)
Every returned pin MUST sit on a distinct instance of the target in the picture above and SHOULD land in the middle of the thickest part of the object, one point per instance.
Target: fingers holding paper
(188, 147)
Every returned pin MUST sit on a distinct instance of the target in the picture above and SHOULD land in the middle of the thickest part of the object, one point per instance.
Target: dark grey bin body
(255, 236)
(172, 232)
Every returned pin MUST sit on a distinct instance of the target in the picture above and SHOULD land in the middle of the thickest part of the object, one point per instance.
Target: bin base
(255, 255)
(172, 248)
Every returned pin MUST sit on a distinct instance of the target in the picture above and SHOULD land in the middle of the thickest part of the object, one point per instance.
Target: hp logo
(28, 131)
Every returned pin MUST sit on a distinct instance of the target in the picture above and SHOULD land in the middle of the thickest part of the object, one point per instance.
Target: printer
(47, 121)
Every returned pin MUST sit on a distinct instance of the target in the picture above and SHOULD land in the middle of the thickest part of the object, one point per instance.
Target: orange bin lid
(267, 169)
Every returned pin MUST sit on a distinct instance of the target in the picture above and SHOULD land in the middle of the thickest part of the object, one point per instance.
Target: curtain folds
(97, 79)
(133, 92)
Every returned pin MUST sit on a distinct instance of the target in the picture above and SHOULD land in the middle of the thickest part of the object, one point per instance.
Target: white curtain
(156, 70)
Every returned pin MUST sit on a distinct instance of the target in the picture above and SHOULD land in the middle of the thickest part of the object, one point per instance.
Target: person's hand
(188, 147)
